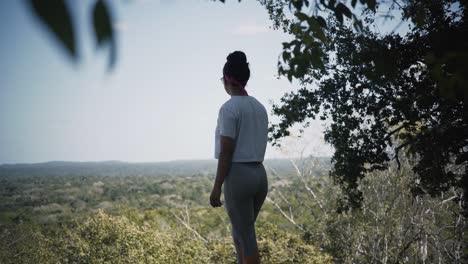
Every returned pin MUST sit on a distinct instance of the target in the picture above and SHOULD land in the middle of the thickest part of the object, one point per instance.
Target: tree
(391, 227)
(384, 93)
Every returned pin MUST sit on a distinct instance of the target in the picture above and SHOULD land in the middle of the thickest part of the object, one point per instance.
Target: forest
(113, 212)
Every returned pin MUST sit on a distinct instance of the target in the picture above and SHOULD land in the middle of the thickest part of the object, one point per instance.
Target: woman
(240, 142)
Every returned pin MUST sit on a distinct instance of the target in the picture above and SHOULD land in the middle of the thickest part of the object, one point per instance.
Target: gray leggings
(245, 190)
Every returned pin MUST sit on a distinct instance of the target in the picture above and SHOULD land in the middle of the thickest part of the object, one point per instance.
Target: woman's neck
(237, 92)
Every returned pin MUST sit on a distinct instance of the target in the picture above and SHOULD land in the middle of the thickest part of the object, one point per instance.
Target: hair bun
(237, 57)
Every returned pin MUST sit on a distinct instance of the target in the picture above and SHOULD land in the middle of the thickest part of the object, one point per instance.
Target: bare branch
(397, 150)
(187, 225)
(301, 176)
(290, 219)
(395, 130)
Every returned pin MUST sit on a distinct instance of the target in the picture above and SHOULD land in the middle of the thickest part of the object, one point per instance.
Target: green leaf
(357, 24)
(301, 16)
(339, 16)
(316, 61)
(313, 23)
(344, 10)
(296, 29)
(56, 17)
(308, 40)
(103, 30)
(321, 21)
(321, 36)
(371, 4)
(297, 4)
(286, 45)
(419, 17)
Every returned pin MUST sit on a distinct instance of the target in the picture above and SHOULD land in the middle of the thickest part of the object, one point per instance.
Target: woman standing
(240, 142)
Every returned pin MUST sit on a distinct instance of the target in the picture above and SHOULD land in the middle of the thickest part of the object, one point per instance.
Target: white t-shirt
(244, 119)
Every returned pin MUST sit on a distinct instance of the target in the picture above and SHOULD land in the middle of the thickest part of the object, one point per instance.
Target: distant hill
(119, 168)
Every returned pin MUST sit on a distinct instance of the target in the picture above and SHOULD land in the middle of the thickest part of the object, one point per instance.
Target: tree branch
(290, 219)
(187, 225)
(397, 149)
(300, 175)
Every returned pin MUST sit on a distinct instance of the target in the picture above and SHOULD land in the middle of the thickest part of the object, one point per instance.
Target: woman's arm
(225, 159)
(227, 146)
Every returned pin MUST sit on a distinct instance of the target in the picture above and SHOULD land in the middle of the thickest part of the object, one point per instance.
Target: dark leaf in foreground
(56, 17)
(103, 31)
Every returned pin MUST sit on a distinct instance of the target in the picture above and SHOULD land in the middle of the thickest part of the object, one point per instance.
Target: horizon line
(137, 162)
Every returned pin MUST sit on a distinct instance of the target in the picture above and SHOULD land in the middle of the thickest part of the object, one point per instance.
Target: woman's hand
(215, 196)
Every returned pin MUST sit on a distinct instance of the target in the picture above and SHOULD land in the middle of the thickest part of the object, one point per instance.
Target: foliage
(392, 225)
(147, 221)
(383, 93)
(277, 246)
(104, 238)
(114, 239)
(308, 27)
(57, 16)
(23, 243)
(129, 218)
(108, 239)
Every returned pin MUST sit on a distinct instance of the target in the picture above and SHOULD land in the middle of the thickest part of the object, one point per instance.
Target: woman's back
(244, 119)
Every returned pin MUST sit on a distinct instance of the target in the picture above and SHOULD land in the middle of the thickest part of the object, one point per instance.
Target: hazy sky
(161, 101)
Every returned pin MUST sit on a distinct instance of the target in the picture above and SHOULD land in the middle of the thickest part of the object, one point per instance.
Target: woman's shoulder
(229, 104)
(237, 103)
(258, 103)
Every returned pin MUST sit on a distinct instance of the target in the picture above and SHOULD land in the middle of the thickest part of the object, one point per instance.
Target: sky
(161, 101)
